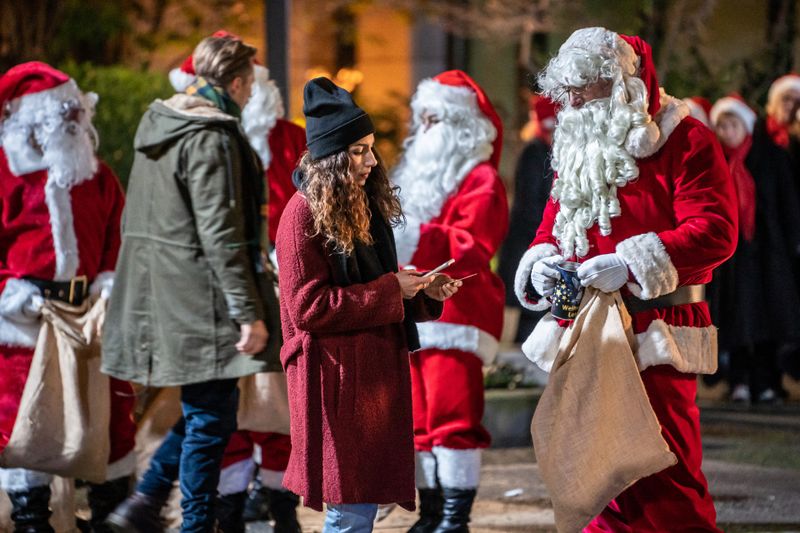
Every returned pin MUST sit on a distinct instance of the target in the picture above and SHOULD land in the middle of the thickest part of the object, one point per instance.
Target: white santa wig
(262, 112)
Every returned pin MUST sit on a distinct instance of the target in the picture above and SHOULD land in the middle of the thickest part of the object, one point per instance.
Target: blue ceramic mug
(568, 292)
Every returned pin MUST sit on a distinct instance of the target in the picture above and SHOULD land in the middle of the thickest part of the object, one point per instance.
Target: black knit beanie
(333, 120)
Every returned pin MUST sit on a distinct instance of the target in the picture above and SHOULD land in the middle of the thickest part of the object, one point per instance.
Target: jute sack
(264, 403)
(63, 418)
(594, 431)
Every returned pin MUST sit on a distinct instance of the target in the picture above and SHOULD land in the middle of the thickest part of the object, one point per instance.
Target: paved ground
(752, 464)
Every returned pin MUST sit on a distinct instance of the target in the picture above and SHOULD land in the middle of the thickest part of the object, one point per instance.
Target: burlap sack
(62, 422)
(594, 431)
(264, 403)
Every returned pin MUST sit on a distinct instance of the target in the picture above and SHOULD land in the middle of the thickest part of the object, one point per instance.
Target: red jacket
(347, 370)
(470, 228)
(678, 222)
(287, 142)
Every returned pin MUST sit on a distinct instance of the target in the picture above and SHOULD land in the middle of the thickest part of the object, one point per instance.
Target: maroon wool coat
(345, 355)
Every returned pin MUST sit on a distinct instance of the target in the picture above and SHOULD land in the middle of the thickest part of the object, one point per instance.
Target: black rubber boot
(30, 510)
(283, 509)
(139, 513)
(431, 503)
(256, 507)
(104, 498)
(229, 509)
(457, 507)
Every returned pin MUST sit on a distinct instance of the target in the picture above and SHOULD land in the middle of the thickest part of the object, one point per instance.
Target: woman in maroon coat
(348, 320)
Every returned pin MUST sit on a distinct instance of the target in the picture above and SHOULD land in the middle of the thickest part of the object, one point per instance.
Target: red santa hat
(545, 110)
(789, 82)
(735, 105)
(456, 88)
(34, 82)
(647, 70)
(183, 76)
(699, 108)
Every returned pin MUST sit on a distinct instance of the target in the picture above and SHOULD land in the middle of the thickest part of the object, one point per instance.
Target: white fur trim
(425, 463)
(272, 479)
(735, 107)
(523, 276)
(688, 349)
(446, 336)
(646, 140)
(431, 94)
(541, 346)
(180, 80)
(103, 284)
(122, 467)
(20, 479)
(650, 264)
(789, 82)
(407, 239)
(59, 203)
(236, 478)
(16, 333)
(15, 296)
(458, 469)
(66, 91)
(697, 111)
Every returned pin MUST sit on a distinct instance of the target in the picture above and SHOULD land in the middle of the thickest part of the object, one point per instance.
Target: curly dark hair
(340, 206)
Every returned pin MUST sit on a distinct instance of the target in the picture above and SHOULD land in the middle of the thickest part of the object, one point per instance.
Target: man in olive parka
(191, 296)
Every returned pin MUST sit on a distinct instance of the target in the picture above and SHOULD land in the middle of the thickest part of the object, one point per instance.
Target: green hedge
(124, 95)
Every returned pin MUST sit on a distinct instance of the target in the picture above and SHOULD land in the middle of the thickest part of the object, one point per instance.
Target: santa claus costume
(644, 201)
(59, 235)
(455, 207)
(279, 144)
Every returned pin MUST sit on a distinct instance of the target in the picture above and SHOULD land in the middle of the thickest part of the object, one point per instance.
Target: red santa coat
(287, 142)
(52, 233)
(678, 222)
(470, 228)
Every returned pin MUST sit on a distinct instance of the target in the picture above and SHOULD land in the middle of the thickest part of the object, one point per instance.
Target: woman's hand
(443, 287)
(411, 282)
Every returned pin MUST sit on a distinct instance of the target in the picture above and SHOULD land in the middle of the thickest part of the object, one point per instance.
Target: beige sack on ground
(594, 431)
(62, 503)
(62, 422)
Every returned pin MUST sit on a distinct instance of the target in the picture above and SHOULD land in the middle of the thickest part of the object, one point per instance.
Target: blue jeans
(192, 451)
(350, 518)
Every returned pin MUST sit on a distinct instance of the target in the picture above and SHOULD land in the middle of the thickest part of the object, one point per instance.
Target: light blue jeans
(350, 518)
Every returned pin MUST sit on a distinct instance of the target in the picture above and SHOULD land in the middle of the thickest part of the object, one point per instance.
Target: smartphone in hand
(439, 268)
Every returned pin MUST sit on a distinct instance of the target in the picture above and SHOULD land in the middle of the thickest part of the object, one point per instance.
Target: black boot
(457, 506)
(104, 498)
(139, 513)
(229, 509)
(30, 510)
(283, 508)
(256, 507)
(430, 511)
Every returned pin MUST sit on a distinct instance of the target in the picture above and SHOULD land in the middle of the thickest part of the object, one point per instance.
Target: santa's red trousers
(14, 366)
(677, 498)
(275, 449)
(447, 399)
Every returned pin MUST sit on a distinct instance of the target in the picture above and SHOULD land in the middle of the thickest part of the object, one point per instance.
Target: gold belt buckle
(72, 282)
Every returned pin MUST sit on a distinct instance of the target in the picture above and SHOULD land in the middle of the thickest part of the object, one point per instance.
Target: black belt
(72, 292)
(688, 294)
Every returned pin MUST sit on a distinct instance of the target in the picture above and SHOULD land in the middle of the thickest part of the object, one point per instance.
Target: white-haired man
(455, 206)
(644, 201)
(59, 236)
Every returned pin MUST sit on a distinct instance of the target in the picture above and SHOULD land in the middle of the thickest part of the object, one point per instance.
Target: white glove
(21, 300)
(607, 272)
(544, 275)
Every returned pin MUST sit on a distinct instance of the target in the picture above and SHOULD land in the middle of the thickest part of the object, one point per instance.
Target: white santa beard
(431, 169)
(590, 158)
(21, 156)
(261, 113)
(68, 153)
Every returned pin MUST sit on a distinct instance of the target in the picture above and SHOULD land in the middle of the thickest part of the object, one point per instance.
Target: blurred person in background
(759, 303)
(532, 182)
(699, 108)
(59, 236)
(455, 207)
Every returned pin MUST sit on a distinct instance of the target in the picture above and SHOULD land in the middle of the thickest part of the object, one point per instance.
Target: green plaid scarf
(216, 95)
